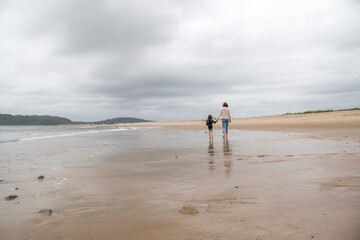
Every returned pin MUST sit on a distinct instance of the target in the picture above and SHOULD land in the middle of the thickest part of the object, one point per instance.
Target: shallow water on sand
(104, 182)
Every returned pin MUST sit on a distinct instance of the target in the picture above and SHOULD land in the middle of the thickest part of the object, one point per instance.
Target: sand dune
(341, 119)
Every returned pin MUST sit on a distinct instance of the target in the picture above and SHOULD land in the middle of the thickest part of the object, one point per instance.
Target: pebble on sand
(46, 212)
(188, 210)
(41, 177)
(10, 197)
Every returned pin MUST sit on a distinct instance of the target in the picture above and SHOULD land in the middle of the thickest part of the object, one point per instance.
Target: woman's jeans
(225, 125)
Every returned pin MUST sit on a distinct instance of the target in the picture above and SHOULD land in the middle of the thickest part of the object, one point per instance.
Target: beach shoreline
(326, 120)
(267, 182)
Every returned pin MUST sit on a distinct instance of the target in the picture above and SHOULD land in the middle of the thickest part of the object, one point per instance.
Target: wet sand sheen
(259, 185)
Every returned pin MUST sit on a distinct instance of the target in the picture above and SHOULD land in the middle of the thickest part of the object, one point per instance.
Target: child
(209, 123)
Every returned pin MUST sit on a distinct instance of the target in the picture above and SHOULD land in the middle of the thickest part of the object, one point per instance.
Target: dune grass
(322, 111)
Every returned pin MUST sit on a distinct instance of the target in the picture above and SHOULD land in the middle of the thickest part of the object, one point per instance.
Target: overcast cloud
(175, 60)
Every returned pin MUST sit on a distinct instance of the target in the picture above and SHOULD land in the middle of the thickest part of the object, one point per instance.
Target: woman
(225, 116)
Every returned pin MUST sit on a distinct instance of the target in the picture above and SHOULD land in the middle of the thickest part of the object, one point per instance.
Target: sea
(29, 150)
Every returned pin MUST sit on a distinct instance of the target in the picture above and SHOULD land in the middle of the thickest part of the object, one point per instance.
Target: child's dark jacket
(209, 123)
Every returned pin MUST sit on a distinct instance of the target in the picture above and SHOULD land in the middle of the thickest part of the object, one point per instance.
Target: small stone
(312, 236)
(47, 212)
(1, 181)
(10, 197)
(188, 210)
(236, 186)
(16, 188)
(176, 156)
(41, 177)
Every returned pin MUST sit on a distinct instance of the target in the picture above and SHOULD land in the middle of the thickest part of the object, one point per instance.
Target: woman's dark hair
(225, 104)
(209, 117)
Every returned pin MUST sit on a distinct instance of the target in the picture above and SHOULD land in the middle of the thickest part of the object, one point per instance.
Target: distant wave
(75, 133)
(68, 134)
(9, 141)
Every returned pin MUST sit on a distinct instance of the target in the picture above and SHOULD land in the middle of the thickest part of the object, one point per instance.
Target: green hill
(121, 120)
(322, 111)
(7, 119)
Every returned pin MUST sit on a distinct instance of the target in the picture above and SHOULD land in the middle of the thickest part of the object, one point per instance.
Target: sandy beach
(278, 177)
(337, 119)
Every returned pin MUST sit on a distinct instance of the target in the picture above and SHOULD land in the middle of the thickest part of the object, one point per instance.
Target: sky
(177, 59)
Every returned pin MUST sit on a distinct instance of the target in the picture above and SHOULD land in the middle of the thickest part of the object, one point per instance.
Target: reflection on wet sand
(228, 158)
(226, 148)
(211, 152)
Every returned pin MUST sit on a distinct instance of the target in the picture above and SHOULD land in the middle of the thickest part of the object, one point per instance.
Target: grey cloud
(159, 86)
(86, 27)
(168, 60)
(336, 87)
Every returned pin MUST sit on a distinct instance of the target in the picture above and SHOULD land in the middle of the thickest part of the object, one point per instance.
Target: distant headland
(8, 119)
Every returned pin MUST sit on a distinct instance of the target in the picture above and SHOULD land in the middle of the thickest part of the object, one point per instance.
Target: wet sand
(298, 184)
